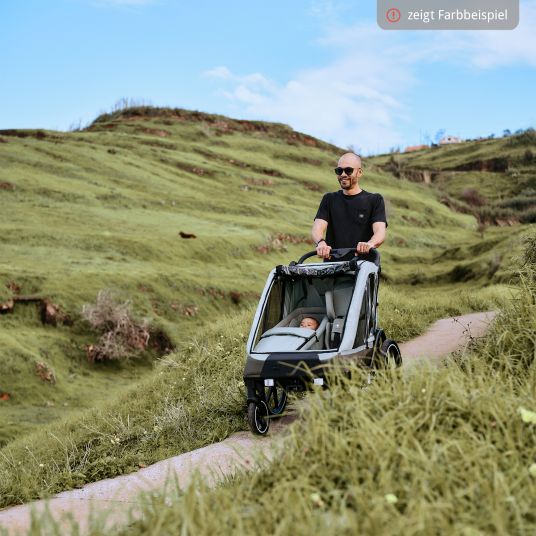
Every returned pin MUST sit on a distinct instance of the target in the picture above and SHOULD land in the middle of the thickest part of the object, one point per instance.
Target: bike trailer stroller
(342, 296)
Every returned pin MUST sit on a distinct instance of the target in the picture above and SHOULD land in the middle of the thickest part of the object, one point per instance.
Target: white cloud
(352, 101)
(482, 49)
(488, 49)
(329, 10)
(252, 80)
(328, 104)
(360, 98)
(219, 72)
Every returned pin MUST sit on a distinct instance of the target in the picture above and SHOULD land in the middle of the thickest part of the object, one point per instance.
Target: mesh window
(274, 307)
(273, 310)
(362, 324)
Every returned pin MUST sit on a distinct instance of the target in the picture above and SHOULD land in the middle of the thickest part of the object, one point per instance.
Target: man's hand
(323, 250)
(363, 247)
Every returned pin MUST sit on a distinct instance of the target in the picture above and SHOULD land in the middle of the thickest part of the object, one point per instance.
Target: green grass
(102, 208)
(193, 398)
(434, 451)
(508, 195)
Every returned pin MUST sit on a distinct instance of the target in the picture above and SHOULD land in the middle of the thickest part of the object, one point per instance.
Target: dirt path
(444, 337)
(123, 496)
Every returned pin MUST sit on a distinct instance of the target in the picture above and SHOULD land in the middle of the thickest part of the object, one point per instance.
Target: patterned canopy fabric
(301, 270)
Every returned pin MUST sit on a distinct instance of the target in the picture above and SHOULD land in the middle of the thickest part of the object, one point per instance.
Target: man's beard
(351, 182)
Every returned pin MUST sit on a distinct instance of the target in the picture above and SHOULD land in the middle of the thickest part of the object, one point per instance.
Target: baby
(309, 322)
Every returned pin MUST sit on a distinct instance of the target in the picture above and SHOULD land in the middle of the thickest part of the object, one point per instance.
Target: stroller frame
(343, 297)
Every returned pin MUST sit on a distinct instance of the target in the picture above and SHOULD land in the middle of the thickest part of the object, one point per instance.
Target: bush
(122, 336)
(473, 197)
(526, 137)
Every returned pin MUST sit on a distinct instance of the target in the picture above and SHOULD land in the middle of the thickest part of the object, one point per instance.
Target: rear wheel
(258, 417)
(377, 357)
(276, 399)
(391, 355)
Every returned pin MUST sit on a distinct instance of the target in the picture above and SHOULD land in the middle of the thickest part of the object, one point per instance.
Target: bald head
(350, 160)
(350, 172)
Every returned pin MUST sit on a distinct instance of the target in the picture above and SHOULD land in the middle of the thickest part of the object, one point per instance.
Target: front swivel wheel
(258, 417)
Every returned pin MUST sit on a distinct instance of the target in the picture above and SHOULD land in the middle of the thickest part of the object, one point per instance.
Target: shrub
(473, 198)
(526, 137)
(122, 336)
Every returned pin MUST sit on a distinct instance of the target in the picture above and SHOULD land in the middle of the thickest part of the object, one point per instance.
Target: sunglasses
(339, 171)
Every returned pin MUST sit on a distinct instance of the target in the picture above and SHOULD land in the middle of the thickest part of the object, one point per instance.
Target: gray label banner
(448, 14)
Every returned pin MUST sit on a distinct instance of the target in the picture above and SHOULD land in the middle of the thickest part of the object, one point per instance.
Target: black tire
(258, 417)
(377, 358)
(391, 354)
(276, 399)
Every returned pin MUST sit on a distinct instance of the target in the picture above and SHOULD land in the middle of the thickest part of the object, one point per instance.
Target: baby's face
(309, 323)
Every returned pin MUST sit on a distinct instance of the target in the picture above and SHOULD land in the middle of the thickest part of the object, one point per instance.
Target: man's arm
(319, 229)
(377, 239)
(317, 234)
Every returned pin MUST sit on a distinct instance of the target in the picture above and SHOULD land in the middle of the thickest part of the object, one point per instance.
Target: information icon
(393, 14)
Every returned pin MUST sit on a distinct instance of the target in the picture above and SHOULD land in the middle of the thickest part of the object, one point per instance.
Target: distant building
(412, 148)
(448, 140)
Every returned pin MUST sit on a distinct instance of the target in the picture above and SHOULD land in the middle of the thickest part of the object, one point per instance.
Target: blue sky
(321, 66)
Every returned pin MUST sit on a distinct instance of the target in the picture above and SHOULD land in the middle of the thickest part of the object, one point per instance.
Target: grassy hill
(494, 179)
(103, 208)
(446, 450)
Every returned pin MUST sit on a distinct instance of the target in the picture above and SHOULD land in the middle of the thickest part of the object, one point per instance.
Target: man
(352, 217)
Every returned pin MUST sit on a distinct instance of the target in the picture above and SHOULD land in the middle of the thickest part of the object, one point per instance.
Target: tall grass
(103, 208)
(194, 397)
(437, 451)
(511, 346)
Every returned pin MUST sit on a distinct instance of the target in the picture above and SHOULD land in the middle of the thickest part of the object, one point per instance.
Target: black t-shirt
(350, 217)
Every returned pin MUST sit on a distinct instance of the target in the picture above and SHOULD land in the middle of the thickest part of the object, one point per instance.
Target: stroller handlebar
(342, 254)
